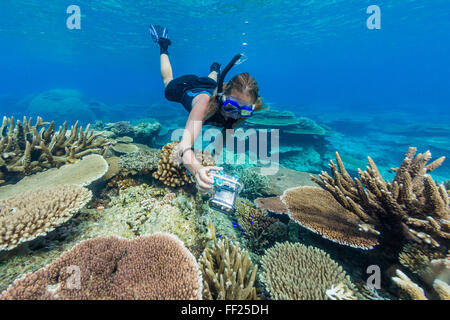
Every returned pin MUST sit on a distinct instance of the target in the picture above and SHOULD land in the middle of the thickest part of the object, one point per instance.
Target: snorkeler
(208, 100)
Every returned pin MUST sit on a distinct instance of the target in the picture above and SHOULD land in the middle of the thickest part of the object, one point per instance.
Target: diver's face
(243, 99)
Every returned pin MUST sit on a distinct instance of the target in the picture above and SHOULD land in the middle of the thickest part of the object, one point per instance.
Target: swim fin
(158, 32)
(215, 67)
(161, 36)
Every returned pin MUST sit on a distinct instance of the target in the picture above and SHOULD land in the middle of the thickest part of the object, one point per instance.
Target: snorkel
(230, 65)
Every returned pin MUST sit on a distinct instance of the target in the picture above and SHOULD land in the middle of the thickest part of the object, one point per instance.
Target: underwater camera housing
(226, 190)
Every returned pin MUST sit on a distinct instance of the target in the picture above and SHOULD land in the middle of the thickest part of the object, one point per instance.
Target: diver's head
(241, 97)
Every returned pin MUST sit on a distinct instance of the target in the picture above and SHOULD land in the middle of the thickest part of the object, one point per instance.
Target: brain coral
(292, 271)
(32, 214)
(148, 267)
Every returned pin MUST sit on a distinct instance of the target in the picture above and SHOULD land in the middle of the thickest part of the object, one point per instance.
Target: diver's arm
(192, 130)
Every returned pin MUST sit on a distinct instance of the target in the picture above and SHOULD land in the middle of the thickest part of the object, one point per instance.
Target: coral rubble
(292, 271)
(26, 148)
(411, 207)
(150, 267)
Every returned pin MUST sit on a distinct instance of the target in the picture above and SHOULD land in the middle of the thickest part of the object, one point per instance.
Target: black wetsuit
(185, 88)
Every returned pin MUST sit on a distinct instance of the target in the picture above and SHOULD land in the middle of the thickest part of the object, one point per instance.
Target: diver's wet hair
(244, 83)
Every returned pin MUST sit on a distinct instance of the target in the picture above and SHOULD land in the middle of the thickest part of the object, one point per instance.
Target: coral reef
(149, 267)
(296, 272)
(285, 121)
(142, 132)
(56, 103)
(302, 144)
(29, 215)
(171, 173)
(142, 162)
(26, 149)
(227, 271)
(410, 208)
(81, 173)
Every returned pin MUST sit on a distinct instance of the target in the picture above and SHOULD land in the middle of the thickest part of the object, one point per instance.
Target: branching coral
(255, 184)
(256, 224)
(32, 214)
(411, 207)
(26, 149)
(292, 271)
(170, 172)
(227, 271)
(150, 267)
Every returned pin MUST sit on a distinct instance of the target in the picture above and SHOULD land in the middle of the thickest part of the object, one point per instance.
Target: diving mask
(231, 106)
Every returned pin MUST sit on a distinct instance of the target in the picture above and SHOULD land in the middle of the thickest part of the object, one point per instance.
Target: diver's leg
(166, 69)
(214, 71)
(213, 75)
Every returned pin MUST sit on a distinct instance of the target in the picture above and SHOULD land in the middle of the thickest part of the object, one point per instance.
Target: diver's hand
(204, 181)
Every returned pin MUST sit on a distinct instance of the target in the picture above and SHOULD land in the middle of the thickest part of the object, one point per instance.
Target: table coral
(29, 215)
(150, 267)
(82, 173)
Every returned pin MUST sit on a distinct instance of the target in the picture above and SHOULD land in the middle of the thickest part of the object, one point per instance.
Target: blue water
(315, 58)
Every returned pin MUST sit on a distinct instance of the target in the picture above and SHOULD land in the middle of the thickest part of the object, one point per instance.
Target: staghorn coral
(292, 271)
(413, 291)
(29, 215)
(410, 288)
(171, 173)
(417, 258)
(410, 208)
(81, 173)
(340, 292)
(150, 267)
(26, 149)
(227, 271)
